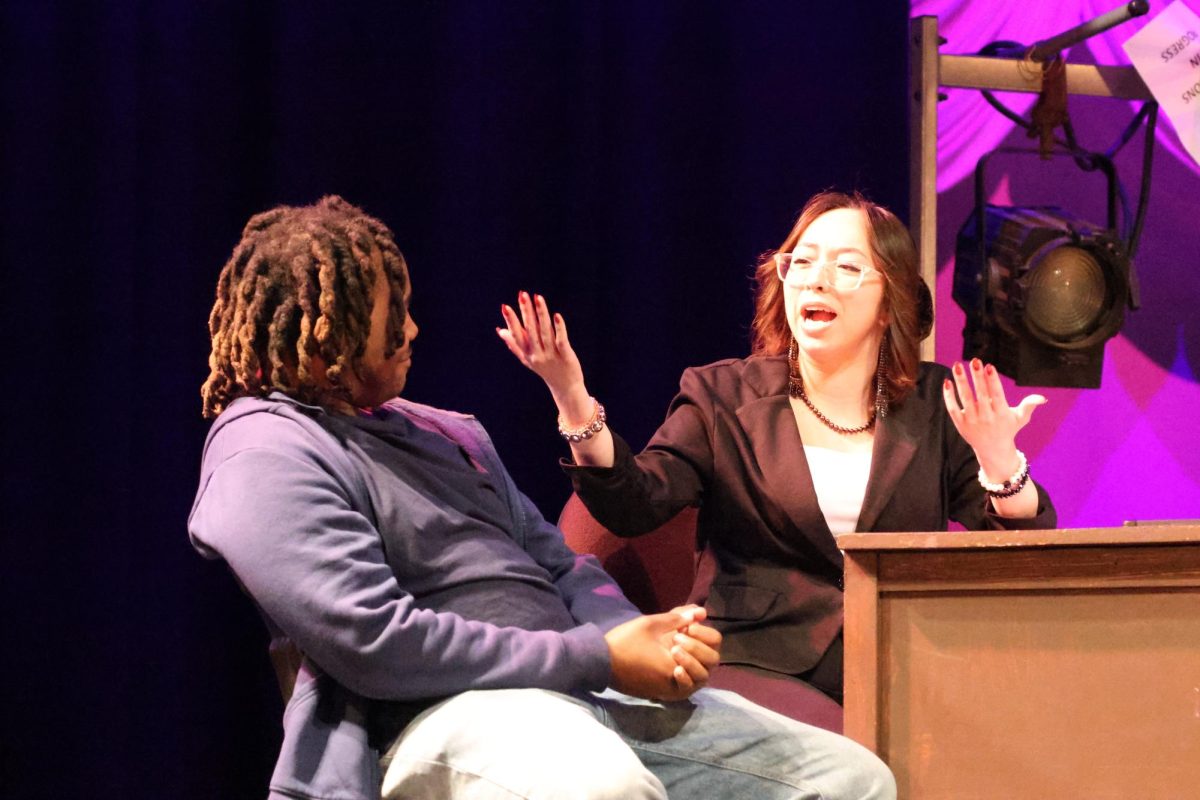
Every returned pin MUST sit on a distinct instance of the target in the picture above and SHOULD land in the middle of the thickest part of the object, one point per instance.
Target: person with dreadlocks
(453, 646)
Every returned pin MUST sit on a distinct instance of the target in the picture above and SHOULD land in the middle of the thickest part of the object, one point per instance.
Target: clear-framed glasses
(843, 275)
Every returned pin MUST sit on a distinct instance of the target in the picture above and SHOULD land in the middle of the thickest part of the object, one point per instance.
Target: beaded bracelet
(589, 428)
(1011, 486)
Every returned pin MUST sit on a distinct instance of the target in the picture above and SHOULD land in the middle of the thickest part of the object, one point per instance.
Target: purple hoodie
(378, 561)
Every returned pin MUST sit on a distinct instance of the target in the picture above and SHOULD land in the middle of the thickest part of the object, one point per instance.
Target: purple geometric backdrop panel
(1131, 449)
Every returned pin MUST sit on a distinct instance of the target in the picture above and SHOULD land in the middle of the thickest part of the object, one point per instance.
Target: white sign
(1166, 53)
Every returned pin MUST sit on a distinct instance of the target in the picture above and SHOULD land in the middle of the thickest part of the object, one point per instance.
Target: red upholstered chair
(285, 659)
(655, 570)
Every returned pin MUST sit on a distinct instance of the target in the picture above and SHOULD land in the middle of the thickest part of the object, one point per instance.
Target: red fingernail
(958, 368)
(990, 370)
(525, 296)
(976, 363)
(946, 384)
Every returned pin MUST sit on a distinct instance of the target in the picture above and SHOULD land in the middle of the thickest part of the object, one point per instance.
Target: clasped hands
(663, 656)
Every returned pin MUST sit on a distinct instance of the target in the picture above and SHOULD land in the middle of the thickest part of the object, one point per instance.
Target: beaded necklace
(796, 389)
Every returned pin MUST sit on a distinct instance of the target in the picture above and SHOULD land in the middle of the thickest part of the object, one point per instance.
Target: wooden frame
(1027, 663)
(929, 71)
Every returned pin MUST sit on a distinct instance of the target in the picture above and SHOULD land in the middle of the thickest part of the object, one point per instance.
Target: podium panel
(1028, 663)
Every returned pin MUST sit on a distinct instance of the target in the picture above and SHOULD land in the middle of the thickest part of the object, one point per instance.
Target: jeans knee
(516, 745)
(626, 784)
(436, 781)
(600, 778)
(873, 779)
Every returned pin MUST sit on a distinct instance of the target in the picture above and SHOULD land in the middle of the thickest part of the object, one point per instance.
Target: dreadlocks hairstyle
(298, 286)
(906, 299)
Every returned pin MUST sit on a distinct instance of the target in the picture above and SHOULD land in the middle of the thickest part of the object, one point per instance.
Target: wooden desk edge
(1133, 535)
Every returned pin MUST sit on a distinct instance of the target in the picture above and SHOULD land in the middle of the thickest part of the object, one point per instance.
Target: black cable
(1085, 159)
(1005, 47)
(1151, 114)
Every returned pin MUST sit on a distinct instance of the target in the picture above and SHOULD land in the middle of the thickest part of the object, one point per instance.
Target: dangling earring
(881, 376)
(795, 382)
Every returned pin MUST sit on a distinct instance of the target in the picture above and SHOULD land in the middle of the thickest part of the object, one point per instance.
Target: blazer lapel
(897, 437)
(770, 427)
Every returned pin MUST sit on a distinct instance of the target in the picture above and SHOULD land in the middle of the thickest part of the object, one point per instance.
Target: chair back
(655, 570)
(285, 658)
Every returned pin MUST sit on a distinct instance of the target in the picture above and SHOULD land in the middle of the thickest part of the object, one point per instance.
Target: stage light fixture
(1042, 289)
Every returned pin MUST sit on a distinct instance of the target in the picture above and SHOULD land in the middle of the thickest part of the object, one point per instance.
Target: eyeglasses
(845, 276)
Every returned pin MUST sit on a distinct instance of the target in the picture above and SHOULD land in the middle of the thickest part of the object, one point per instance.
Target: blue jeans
(538, 745)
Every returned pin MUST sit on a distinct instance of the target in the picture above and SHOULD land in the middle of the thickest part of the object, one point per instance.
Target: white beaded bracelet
(1010, 486)
(589, 428)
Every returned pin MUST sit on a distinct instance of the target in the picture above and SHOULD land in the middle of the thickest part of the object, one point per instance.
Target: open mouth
(817, 314)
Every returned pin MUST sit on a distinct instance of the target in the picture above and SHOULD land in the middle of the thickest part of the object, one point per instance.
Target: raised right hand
(540, 343)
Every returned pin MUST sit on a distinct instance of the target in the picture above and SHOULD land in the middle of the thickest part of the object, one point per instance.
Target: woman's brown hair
(907, 301)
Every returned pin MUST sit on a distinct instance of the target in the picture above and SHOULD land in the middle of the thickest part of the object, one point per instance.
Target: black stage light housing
(1042, 290)
(1047, 294)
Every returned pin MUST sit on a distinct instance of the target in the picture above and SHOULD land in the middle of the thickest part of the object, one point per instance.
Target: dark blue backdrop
(629, 160)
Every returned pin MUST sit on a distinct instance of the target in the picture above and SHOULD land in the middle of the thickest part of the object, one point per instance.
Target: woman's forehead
(837, 223)
(837, 231)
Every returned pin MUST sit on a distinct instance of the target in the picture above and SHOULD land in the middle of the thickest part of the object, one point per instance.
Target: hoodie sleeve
(287, 527)
(590, 594)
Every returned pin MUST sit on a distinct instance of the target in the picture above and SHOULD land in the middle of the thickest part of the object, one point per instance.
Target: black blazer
(770, 572)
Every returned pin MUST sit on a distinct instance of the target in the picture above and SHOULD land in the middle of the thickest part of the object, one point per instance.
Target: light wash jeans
(540, 745)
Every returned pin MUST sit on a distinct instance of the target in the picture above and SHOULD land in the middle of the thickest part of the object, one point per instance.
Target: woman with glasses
(831, 425)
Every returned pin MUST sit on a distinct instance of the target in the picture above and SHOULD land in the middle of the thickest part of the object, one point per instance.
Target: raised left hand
(984, 417)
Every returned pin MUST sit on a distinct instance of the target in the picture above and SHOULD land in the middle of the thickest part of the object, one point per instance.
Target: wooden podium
(1027, 664)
